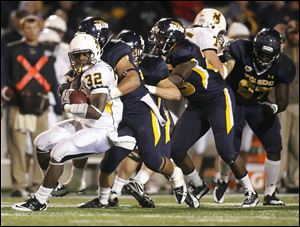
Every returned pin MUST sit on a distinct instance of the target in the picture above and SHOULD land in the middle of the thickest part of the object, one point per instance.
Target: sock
(76, 176)
(177, 178)
(272, 169)
(42, 194)
(194, 179)
(104, 195)
(142, 177)
(246, 183)
(224, 175)
(118, 185)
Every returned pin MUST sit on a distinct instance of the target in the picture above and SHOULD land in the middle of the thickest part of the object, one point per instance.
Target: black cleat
(95, 203)
(251, 199)
(219, 191)
(32, 204)
(138, 192)
(191, 200)
(199, 191)
(180, 193)
(272, 200)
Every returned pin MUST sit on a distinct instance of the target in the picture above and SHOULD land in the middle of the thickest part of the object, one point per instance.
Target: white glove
(79, 110)
(65, 96)
(115, 93)
(151, 89)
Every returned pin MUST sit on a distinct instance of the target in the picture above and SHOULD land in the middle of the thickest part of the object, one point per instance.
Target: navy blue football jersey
(154, 69)
(204, 84)
(113, 52)
(247, 85)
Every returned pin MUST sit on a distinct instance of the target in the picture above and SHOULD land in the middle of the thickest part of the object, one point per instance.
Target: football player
(211, 104)
(208, 32)
(140, 114)
(118, 55)
(155, 73)
(97, 121)
(259, 67)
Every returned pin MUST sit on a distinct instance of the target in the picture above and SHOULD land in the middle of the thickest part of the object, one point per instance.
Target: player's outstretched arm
(130, 78)
(165, 89)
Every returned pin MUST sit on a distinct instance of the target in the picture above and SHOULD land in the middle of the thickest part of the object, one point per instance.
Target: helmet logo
(267, 49)
(176, 26)
(216, 18)
(100, 24)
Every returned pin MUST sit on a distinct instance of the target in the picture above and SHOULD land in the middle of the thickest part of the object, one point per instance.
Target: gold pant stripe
(229, 115)
(155, 127)
(167, 127)
(108, 107)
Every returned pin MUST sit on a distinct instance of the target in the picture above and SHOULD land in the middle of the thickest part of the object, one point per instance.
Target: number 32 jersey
(100, 79)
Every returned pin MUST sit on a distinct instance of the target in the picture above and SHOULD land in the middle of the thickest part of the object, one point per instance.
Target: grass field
(63, 211)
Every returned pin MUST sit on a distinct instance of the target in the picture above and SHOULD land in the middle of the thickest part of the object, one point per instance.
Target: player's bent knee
(41, 143)
(229, 158)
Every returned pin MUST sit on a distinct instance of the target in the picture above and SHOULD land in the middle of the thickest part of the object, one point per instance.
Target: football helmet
(136, 43)
(165, 34)
(266, 47)
(211, 18)
(56, 22)
(49, 35)
(84, 52)
(97, 28)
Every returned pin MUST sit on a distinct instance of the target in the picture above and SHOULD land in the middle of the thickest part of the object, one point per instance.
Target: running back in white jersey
(203, 37)
(100, 79)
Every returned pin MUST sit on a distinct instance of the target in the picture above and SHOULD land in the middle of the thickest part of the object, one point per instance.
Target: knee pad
(42, 144)
(229, 158)
(154, 165)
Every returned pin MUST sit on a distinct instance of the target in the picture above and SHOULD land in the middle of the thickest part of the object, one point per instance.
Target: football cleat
(251, 199)
(138, 192)
(272, 200)
(180, 193)
(219, 191)
(199, 191)
(95, 203)
(114, 199)
(32, 204)
(69, 188)
(191, 200)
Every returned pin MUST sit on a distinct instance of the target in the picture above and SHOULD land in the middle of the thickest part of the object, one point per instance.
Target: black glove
(58, 110)
(62, 87)
(268, 107)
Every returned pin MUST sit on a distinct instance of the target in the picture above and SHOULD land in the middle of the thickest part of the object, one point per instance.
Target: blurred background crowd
(244, 20)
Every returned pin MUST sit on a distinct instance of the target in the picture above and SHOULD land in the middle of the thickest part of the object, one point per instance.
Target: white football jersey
(100, 79)
(202, 37)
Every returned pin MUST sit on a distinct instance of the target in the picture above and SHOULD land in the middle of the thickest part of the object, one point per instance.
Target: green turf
(63, 211)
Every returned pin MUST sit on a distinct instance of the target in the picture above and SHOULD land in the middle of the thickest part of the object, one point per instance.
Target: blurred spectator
(53, 33)
(239, 11)
(32, 7)
(293, 8)
(186, 11)
(14, 31)
(6, 8)
(72, 13)
(274, 13)
(238, 30)
(142, 15)
(290, 117)
(29, 67)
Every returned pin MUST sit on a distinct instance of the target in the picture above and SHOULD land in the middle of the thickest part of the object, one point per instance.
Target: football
(77, 97)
